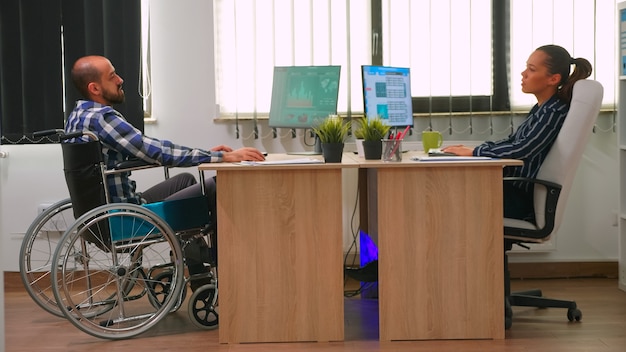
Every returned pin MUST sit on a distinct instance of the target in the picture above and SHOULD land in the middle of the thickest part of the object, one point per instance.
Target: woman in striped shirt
(547, 76)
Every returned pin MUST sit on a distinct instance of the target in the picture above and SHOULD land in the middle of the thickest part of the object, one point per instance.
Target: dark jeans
(518, 203)
(185, 186)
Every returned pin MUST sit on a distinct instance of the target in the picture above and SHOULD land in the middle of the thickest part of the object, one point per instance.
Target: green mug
(431, 140)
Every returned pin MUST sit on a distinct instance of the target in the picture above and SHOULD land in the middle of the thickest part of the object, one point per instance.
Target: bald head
(95, 78)
(85, 71)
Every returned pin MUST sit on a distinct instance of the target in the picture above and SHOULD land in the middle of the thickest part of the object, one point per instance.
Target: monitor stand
(317, 149)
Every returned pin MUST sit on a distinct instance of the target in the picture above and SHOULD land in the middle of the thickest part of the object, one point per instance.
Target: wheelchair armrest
(134, 164)
(137, 164)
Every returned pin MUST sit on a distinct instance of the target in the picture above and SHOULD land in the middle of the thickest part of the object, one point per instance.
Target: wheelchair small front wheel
(202, 307)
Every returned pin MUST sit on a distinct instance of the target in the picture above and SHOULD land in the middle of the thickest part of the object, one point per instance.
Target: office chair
(551, 190)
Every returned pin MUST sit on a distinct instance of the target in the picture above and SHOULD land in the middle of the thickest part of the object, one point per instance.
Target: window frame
(498, 101)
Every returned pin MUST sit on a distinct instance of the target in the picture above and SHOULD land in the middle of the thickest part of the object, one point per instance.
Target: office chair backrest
(564, 157)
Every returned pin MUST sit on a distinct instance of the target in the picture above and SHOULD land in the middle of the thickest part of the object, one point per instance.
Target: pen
(398, 140)
(406, 130)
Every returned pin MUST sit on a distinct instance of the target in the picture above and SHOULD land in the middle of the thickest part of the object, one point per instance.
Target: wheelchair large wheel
(37, 250)
(101, 266)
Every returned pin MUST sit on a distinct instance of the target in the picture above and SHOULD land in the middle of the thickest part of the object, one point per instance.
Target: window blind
(254, 36)
(448, 45)
(585, 28)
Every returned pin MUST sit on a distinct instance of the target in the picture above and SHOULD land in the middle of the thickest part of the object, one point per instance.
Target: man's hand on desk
(460, 150)
(241, 154)
(222, 148)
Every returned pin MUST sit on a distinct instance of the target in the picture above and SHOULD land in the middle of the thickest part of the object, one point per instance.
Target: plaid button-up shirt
(121, 141)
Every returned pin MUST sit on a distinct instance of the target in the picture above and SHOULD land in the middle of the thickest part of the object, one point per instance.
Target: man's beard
(114, 97)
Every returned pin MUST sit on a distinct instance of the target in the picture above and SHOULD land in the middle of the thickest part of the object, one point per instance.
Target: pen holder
(392, 150)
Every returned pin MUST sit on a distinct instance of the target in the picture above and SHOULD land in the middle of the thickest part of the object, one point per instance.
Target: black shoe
(368, 273)
(197, 254)
(199, 282)
(197, 251)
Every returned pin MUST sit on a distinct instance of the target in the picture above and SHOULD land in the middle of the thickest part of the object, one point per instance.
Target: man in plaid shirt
(99, 84)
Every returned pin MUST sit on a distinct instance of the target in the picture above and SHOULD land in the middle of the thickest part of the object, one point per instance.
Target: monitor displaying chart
(302, 95)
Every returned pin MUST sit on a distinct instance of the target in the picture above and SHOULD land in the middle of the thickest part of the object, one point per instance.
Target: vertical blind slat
(447, 45)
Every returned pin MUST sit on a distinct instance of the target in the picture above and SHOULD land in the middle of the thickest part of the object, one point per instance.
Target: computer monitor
(302, 95)
(387, 94)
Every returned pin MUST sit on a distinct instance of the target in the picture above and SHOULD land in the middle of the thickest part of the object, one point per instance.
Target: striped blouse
(532, 140)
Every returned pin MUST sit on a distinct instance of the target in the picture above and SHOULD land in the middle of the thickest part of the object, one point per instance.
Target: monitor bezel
(277, 123)
(409, 97)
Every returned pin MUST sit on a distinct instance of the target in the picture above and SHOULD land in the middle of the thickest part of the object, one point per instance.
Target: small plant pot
(372, 150)
(332, 152)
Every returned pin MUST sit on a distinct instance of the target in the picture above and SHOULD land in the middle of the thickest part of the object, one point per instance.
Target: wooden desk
(440, 243)
(280, 251)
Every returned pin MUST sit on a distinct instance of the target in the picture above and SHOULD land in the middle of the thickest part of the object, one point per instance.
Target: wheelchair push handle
(46, 133)
(131, 164)
(63, 136)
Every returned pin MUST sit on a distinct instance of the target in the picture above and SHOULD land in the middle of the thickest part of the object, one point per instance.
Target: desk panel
(280, 253)
(441, 253)
(438, 225)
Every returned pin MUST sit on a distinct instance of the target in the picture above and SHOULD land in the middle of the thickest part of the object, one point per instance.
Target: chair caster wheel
(508, 314)
(574, 314)
(508, 321)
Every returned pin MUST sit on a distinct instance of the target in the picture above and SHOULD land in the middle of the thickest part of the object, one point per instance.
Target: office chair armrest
(553, 191)
(549, 185)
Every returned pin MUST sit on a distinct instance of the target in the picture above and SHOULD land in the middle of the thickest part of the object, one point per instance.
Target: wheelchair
(118, 268)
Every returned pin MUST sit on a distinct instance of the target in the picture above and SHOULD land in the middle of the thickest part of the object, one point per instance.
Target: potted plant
(372, 131)
(332, 132)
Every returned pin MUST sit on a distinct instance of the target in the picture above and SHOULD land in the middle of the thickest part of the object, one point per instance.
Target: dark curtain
(39, 42)
(30, 68)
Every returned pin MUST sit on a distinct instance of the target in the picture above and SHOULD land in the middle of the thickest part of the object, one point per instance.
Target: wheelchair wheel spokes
(36, 253)
(160, 284)
(84, 278)
(105, 290)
